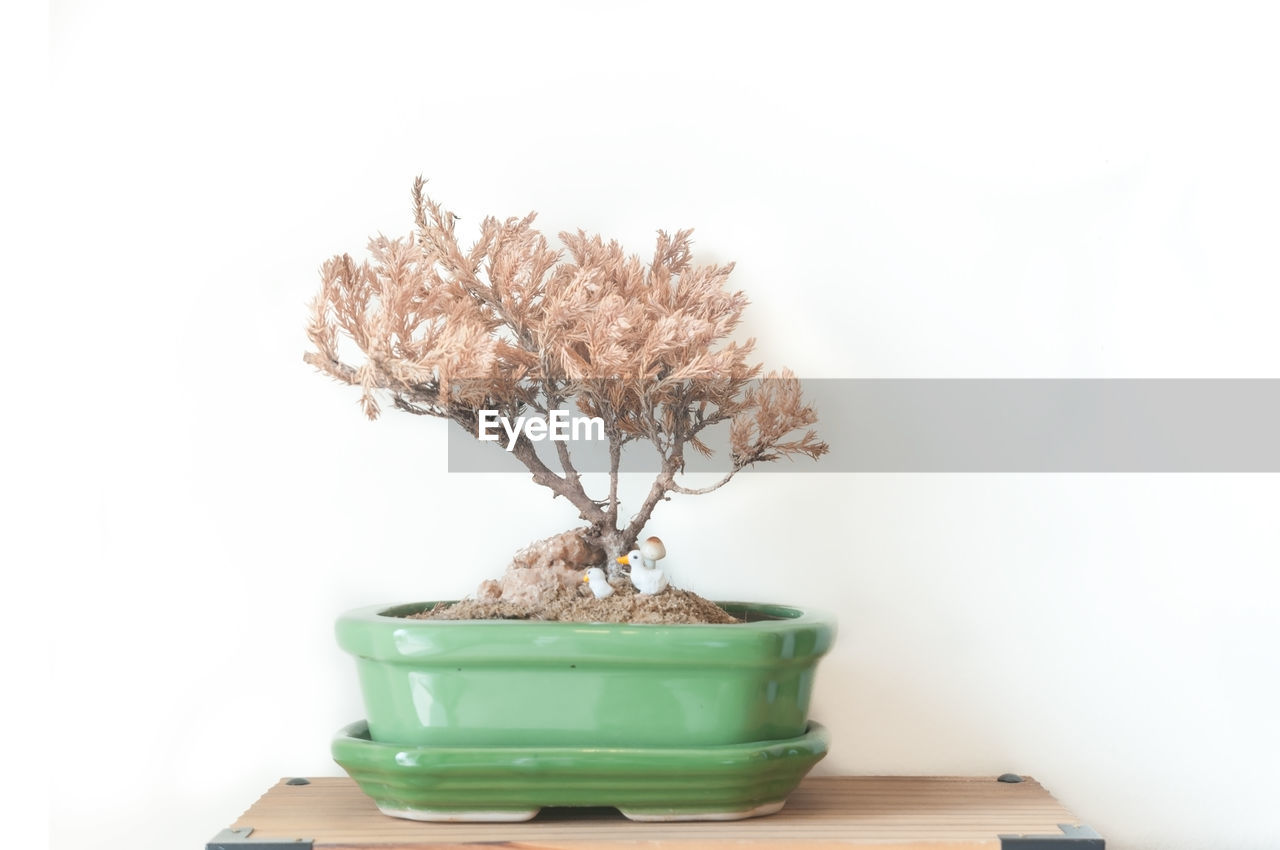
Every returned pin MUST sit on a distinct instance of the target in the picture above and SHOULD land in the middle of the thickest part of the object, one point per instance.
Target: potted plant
(666, 706)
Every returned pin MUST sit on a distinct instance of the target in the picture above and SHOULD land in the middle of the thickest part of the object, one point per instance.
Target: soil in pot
(545, 582)
(624, 606)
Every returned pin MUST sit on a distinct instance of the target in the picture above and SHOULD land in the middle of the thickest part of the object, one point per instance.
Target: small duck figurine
(599, 585)
(645, 574)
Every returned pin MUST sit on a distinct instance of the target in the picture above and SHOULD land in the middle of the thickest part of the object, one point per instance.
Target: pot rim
(798, 636)
(780, 617)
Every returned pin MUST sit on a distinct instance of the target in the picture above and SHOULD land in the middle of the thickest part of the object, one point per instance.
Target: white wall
(963, 190)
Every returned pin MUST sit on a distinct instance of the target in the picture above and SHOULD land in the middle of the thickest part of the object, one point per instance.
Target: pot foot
(462, 815)
(667, 817)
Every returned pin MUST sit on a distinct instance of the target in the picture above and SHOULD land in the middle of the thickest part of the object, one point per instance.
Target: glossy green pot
(507, 683)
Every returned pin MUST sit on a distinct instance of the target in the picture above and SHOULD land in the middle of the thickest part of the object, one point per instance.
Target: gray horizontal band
(986, 425)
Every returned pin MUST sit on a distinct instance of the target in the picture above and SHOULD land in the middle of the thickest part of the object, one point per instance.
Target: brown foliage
(512, 324)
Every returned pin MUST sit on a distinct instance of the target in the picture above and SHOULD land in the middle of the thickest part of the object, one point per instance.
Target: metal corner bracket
(239, 839)
(1073, 837)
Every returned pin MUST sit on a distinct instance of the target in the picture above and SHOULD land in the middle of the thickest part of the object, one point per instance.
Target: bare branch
(702, 491)
(570, 488)
(657, 493)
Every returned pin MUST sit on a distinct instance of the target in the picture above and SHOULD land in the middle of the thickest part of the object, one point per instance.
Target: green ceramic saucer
(725, 782)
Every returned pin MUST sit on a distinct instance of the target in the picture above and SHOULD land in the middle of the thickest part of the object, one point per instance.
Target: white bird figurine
(599, 585)
(645, 574)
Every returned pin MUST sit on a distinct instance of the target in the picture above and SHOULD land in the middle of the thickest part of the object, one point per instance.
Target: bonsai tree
(513, 325)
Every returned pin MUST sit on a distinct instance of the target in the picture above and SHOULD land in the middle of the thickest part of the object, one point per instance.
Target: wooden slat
(825, 813)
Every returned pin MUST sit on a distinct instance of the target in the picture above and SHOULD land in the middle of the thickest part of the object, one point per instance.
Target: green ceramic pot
(505, 683)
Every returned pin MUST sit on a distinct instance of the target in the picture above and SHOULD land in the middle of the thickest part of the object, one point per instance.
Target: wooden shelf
(825, 813)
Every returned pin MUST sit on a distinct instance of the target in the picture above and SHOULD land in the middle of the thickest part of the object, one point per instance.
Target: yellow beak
(586, 578)
(623, 560)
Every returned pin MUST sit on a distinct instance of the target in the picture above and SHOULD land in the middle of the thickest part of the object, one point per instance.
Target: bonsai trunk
(605, 529)
(615, 543)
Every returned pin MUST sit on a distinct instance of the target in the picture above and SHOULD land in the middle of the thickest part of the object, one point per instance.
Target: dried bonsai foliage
(514, 325)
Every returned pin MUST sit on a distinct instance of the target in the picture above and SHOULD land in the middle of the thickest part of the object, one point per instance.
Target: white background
(910, 190)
